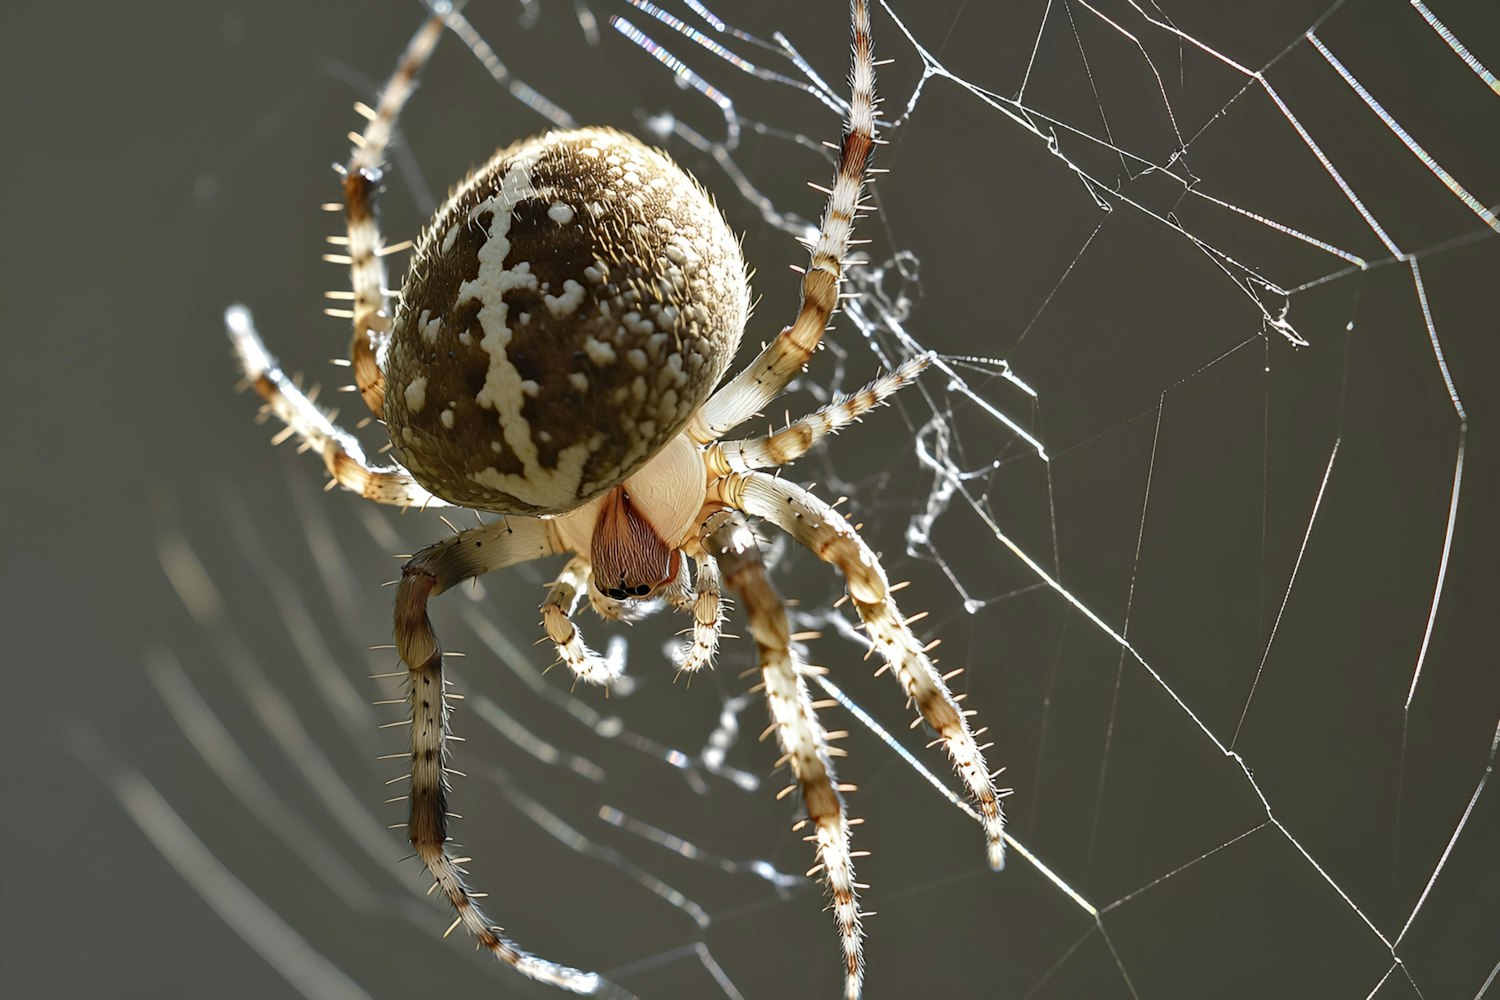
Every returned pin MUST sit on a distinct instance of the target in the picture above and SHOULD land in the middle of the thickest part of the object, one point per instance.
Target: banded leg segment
(562, 600)
(704, 601)
(727, 538)
(799, 436)
(776, 366)
(362, 177)
(820, 528)
(430, 572)
(340, 452)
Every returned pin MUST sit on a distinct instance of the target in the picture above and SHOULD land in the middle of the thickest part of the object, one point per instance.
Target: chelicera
(556, 355)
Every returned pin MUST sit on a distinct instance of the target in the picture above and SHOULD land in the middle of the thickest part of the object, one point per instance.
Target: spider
(554, 356)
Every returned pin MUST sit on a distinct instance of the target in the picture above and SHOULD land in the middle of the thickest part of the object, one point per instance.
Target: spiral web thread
(1297, 337)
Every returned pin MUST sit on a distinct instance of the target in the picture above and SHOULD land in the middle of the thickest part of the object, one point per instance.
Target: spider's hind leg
(362, 177)
(303, 417)
(799, 436)
(773, 369)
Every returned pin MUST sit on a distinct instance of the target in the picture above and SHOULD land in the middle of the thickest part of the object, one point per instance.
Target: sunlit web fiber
(984, 415)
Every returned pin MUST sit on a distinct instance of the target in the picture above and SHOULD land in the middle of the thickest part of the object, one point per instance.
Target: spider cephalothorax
(553, 357)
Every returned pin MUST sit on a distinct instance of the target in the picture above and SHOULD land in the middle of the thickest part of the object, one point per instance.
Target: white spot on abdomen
(568, 302)
(599, 352)
(416, 394)
(504, 390)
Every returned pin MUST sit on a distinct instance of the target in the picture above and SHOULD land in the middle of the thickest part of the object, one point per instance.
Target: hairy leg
(362, 177)
(562, 600)
(820, 528)
(728, 539)
(799, 436)
(339, 450)
(748, 392)
(430, 572)
(704, 601)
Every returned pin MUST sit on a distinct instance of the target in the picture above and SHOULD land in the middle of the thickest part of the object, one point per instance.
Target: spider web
(1189, 489)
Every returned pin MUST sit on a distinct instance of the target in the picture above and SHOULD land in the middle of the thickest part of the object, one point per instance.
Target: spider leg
(362, 177)
(820, 528)
(571, 584)
(341, 453)
(430, 572)
(728, 539)
(704, 601)
(799, 436)
(745, 394)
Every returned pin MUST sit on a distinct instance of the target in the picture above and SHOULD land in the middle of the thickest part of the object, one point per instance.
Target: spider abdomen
(567, 310)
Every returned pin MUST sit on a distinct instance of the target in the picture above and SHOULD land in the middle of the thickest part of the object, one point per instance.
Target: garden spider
(552, 357)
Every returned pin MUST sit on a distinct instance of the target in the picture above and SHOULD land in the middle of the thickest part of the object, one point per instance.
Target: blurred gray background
(186, 616)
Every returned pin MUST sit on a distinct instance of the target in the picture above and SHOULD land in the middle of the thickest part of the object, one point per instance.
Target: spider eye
(625, 593)
(627, 551)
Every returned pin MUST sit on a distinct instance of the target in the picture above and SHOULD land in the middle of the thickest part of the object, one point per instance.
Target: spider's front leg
(820, 528)
(728, 539)
(704, 601)
(569, 587)
(430, 572)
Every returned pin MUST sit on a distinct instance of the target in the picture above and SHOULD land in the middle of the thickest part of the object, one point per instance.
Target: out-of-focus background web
(1198, 488)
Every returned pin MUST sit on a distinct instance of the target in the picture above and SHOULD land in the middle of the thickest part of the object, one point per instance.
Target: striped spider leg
(552, 357)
